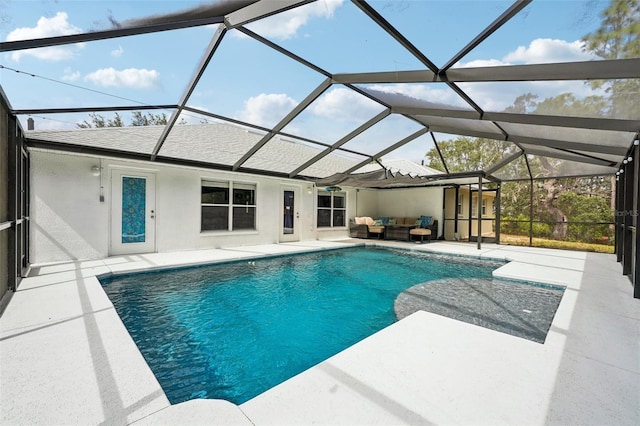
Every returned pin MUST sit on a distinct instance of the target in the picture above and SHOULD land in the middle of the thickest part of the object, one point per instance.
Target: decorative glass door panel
(133, 209)
(132, 212)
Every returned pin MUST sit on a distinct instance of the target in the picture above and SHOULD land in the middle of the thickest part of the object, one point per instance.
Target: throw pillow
(425, 221)
(385, 220)
(377, 222)
(360, 221)
(392, 221)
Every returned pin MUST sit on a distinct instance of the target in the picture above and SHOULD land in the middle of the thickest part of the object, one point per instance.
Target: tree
(97, 120)
(137, 119)
(149, 119)
(618, 37)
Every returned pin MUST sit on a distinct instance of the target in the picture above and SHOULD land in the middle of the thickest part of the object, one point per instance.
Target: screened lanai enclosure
(474, 97)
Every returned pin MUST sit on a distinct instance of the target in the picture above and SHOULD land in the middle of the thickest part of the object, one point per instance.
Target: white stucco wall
(412, 202)
(69, 222)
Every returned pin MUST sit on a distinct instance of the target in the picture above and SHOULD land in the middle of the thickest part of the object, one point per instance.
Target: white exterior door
(290, 218)
(133, 225)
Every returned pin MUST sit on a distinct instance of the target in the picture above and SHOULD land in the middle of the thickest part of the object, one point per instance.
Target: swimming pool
(234, 330)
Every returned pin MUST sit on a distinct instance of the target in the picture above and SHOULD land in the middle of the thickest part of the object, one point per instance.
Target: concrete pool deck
(66, 358)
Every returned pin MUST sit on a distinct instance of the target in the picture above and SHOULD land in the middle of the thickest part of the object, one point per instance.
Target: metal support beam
(91, 109)
(609, 69)
(435, 143)
(285, 121)
(479, 208)
(342, 141)
(424, 113)
(9, 46)
(259, 10)
(498, 202)
(493, 27)
(636, 260)
(202, 66)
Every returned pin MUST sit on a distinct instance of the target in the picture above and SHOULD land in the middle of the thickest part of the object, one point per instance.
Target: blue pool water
(234, 330)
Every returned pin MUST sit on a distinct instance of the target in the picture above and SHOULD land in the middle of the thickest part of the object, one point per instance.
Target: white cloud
(344, 104)
(286, 25)
(545, 50)
(46, 27)
(70, 75)
(116, 53)
(267, 109)
(496, 96)
(130, 77)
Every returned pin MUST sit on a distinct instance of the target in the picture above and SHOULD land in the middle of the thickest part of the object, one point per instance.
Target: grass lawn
(523, 240)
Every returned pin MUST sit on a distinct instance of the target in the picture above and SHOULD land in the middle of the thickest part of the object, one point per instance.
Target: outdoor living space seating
(365, 227)
(398, 228)
(394, 228)
(421, 232)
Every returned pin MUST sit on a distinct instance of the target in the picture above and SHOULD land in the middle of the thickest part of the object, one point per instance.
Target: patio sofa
(398, 228)
(365, 227)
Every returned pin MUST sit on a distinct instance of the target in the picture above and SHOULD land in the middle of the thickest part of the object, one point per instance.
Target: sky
(248, 81)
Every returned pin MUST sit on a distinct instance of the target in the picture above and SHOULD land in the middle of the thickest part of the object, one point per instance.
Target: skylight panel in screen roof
(415, 151)
(542, 32)
(277, 83)
(565, 168)
(573, 98)
(595, 137)
(461, 153)
(336, 162)
(94, 74)
(217, 143)
(469, 127)
(283, 154)
(336, 36)
(418, 95)
(566, 154)
(426, 23)
(385, 133)
(517, 169)
(333, 115)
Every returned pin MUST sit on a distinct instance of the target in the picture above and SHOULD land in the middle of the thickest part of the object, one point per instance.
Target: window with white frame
(332, 209)
(460, 204)
(227, 206)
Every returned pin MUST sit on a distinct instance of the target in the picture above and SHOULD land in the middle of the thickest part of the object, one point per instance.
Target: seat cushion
(376, 229)
(420, 231)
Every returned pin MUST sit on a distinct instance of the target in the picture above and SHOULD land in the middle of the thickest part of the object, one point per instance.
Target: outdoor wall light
(95, 170)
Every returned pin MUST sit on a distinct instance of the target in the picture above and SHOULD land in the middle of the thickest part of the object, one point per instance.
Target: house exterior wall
(69, 222)
(412, 202)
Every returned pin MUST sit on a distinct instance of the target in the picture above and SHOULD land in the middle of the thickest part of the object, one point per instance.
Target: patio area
(67, 358)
